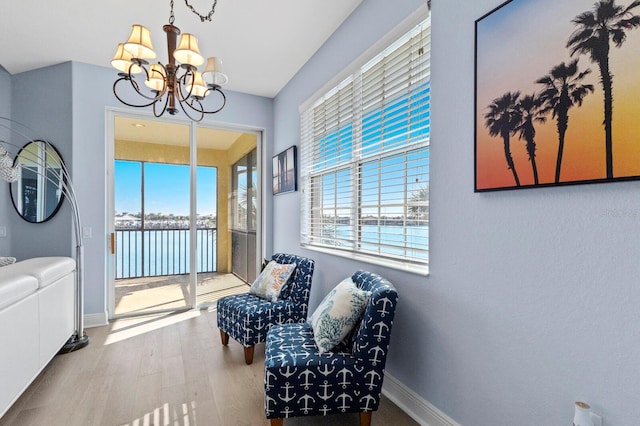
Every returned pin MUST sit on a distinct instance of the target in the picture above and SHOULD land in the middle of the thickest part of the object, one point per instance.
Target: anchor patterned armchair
(247, 317)
(301, 381)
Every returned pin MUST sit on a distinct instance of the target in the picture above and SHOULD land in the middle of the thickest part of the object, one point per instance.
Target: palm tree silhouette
(530, 111)
(562, 90)
(596, 29)
(501, 120)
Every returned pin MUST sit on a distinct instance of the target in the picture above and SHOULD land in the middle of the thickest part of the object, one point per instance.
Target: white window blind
(365, 157)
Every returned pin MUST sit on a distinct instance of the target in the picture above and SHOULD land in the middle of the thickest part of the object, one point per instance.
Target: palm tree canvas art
(557, 93)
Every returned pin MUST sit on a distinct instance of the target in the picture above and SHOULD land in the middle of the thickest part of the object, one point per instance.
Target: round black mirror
(39, 191)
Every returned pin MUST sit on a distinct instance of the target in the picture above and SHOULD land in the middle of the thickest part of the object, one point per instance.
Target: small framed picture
(285, 172)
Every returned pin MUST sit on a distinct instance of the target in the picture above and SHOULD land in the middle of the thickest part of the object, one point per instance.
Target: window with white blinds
(364, 157)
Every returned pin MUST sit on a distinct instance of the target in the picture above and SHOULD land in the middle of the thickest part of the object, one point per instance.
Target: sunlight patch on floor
(182, 414)
(127, 328)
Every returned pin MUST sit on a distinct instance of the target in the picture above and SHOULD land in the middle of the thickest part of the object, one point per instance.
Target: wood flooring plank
(200, 393)
(31, 417)
(148, 397)
(177, 407)
(170, 343)
(121, 358)
(119, 405)
(92, 407)
(173, 371)
(47, 383)
(195, 367)
(150, 360)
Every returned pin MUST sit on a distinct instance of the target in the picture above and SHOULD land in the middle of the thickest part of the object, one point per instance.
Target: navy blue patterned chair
(247, 318)
(299, 381)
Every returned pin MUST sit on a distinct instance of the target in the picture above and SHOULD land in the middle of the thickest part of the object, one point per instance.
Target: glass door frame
(110, 116)
(246, 229)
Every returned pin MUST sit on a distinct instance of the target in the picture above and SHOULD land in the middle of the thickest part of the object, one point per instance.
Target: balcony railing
(158, 252)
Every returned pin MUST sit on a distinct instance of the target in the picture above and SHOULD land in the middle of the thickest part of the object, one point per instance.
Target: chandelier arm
(159, 93)
(164, 108)
(186, 112)
(214, 111)
(198, 108)
(181, 82)
(134, 84)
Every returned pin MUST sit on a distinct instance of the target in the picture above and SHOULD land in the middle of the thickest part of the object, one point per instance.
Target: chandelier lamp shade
(172, 86)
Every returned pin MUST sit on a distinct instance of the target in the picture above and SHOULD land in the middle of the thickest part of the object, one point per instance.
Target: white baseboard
(96, 320)
(415, 406)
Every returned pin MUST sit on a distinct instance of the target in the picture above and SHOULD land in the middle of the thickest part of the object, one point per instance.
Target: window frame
(352, 76)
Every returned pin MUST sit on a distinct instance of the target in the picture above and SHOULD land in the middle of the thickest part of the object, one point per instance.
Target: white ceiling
(262, 43)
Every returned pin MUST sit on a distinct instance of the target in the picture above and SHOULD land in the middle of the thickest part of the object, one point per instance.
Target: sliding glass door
(185, 210)
(152, 224)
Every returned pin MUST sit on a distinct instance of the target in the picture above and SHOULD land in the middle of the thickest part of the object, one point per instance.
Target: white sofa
(36, 319)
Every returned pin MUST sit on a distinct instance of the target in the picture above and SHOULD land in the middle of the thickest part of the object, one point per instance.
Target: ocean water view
(386, 240)
(157, 252)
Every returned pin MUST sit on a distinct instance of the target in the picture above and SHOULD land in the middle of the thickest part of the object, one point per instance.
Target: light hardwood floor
(168, 370)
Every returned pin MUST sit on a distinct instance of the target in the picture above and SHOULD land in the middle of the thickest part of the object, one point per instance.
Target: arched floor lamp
(10, 172)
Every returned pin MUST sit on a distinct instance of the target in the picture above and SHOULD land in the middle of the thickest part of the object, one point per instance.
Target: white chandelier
(179, 80)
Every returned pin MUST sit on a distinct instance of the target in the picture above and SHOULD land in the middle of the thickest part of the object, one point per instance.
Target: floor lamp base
(74, 343)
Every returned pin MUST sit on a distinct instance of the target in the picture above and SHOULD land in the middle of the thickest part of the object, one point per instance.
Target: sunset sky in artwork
(520, 43)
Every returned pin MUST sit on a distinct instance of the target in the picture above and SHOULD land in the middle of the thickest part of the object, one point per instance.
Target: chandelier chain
(172, 17)
(202, 17)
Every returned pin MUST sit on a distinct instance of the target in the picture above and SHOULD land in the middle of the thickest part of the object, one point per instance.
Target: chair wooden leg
(365, 418)
(248, 354)
(225, 338)
(277, 422)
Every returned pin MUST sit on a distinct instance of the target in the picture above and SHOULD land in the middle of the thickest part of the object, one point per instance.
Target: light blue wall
(91, 95)
(40, 100)
(532, 298)
(6, 208)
